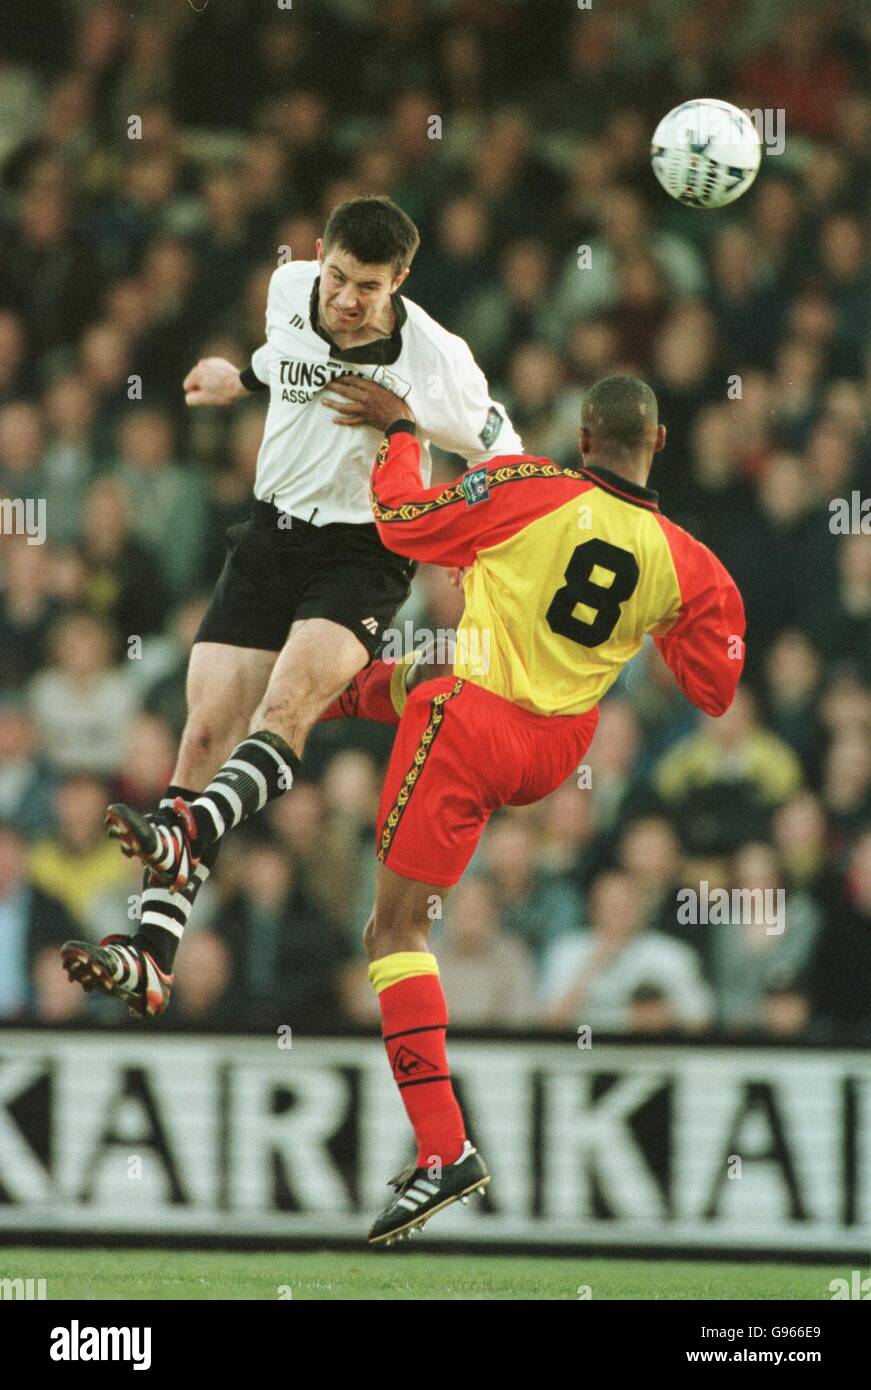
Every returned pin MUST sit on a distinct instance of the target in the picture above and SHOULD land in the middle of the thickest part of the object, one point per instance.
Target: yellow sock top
(401, 965)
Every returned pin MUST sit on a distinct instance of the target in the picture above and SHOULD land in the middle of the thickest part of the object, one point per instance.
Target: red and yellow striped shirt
(570, 568)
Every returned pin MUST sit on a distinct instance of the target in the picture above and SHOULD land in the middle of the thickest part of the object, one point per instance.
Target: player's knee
(199, 737)
(385, 937)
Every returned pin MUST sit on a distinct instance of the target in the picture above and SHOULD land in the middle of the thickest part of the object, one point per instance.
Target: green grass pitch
(418, 1274)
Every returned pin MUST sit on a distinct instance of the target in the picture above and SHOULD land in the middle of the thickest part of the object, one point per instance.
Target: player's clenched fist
(213, 381)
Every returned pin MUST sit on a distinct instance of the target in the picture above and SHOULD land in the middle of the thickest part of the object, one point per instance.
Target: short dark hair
(373, 230)
(619, 410)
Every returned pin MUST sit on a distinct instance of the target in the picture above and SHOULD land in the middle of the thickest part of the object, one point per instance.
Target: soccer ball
(706, 153)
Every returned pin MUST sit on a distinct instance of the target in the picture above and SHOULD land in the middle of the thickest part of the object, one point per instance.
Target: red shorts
(461, 753)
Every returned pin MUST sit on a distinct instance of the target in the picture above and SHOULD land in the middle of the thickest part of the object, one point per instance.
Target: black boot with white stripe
(122, 969)
(419, 1195)
(163, 840)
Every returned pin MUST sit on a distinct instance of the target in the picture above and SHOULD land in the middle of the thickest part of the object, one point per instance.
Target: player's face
(353, 296)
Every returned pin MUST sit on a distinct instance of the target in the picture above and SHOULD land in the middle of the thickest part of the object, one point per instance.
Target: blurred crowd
(154, 160)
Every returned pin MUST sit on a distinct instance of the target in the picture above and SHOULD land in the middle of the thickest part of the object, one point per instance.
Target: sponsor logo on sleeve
(492, 426)
(476, 487)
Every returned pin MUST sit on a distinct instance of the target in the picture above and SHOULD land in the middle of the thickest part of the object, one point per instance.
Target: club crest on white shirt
(391, 381)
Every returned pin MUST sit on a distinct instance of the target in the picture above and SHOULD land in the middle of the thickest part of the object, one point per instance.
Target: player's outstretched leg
(378, 692)
(171, 843)
(120, 968)
(224, 687)
(414, 1016)
(319, 659)
(138, 969)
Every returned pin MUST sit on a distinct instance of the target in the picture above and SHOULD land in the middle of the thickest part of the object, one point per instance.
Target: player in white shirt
(307, 588)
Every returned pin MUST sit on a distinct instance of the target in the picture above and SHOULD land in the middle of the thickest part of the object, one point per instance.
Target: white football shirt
(319, 471)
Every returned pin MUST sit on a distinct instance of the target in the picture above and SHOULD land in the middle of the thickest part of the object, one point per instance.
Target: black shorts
(275, 574)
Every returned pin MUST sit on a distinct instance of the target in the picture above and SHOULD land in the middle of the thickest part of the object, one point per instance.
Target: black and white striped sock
(258, 770)
(164, 915)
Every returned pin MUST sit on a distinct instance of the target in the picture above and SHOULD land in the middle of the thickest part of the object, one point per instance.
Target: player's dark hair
(618, 411)
(373, 230)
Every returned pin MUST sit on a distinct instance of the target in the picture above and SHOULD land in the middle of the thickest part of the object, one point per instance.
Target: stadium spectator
(745, 307)
(74, 864)
(328, 862)
(723, 782)
(31, 921)
(104, 360)
(534, 905)
(840, 974)
(147, 761)
(613, 763)
(68, 462)
(650, 851)
(545, 410)
(760, 957)
(839, 617)
(457, 263)
(13, 358)
(793, 678)
(487, 974)
(165, 697)
(27, 610)
(493, 317)
(27, 791)
(81, 701)
(801, 840)
(47, 273)
(570, 845)
(203, 978)
(799, 71)
(846, 789)
(124, 584)
(21, 450)
(285, 957)
(167, 500)
(594, 976)
(591, 279)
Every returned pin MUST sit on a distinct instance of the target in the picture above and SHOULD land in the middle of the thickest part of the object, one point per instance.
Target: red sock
(369, 696)
(415, 1020)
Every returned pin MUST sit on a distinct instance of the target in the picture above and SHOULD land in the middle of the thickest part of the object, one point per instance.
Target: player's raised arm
(462, 416)
(448, 524)
(425, 523)
(215, 381)
(704, 646)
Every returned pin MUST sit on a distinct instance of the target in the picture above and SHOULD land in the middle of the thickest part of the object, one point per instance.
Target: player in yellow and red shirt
(569, 569)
